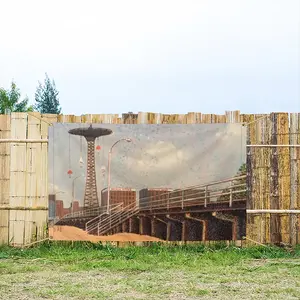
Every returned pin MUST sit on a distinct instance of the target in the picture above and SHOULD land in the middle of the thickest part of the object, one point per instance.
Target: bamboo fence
(273, 171)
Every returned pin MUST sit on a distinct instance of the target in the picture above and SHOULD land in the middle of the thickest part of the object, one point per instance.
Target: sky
(164, 56)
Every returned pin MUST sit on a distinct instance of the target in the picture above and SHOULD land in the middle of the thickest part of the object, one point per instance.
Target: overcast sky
(161, 56)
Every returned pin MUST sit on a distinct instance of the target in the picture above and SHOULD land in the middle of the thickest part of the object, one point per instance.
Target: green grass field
(94, 271)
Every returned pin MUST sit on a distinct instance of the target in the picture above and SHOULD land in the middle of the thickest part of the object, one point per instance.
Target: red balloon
(98, 147)
(70, 172)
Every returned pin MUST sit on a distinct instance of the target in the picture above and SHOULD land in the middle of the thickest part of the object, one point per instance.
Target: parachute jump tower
(90, 134)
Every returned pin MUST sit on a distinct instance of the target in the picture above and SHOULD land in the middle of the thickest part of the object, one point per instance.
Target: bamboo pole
(17, 141)
(273, 211)
(36, 242)
(22, 208)
(272, 146)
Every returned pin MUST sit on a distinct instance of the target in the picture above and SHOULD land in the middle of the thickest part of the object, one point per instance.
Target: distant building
(51, 207)
(153, 197)
(119, 195)
(57, 209)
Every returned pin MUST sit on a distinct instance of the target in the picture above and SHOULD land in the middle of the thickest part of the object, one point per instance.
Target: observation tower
(90, 134)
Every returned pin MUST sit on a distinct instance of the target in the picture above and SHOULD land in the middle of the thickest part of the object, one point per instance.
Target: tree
(236, 182)
(10, 100)
(46, 98)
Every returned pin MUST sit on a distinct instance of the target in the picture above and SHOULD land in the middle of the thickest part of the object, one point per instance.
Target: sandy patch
(70, 233)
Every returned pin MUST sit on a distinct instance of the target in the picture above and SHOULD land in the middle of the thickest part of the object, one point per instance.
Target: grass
(63, 270)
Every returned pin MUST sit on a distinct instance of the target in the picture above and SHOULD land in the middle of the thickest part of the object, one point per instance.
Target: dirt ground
(69, 233)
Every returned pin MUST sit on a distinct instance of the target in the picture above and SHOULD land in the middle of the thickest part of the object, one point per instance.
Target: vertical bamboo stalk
(33, 176)
(44, 194)
(96, 118)
(158, 118)
(49, 118)
(207, 118)
(4, 177)
(267, 173)
(298, 177)
(17, 179)
(77, 119)
(151, 118)
(166, 119)
(251, 231)
(284, 173)
(232, 116)
(295, 176)
(142, 118)
(274, 185)
(191, 118)
(264, 156)
(230, 196)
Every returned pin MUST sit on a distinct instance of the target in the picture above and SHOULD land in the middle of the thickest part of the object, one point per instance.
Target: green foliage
(241, 195)
(46, 98)
(10, 100)
(87, 251)
(242, 170)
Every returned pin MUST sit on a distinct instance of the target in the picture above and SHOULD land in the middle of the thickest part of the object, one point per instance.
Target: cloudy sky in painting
(165, 56)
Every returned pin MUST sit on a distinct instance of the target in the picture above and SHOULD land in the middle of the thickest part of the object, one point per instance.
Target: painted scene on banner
(162, 157)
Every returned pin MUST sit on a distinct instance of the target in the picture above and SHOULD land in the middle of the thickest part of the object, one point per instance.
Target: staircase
(104, 223)
(79, 218)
